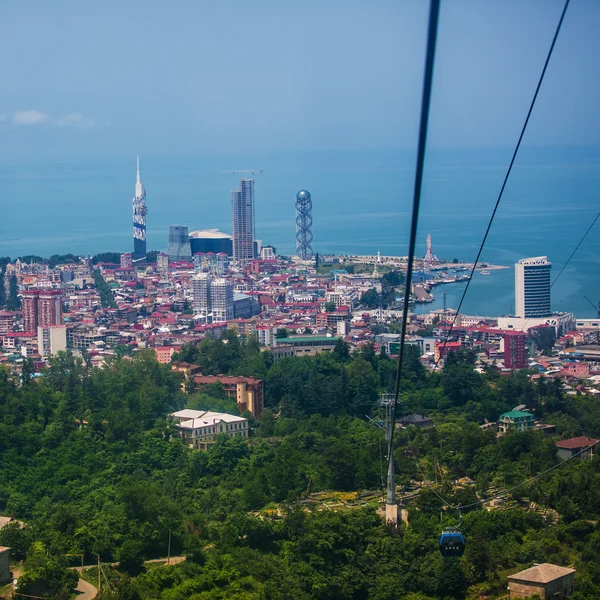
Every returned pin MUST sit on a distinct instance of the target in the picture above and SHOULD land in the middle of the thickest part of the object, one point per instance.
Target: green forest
(90, 464)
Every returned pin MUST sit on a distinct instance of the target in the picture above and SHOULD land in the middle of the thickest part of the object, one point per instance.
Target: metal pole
(169, 550)
(99, 576)
(391, 508)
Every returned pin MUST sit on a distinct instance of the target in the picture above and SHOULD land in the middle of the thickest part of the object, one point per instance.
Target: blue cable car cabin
(452, 543)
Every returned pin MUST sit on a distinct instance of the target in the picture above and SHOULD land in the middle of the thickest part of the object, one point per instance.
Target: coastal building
(140, 211)
(546, 580)
(515, 349)
(211, 240)
(304, 223)
(179, 243)
(242, 221)
(199, 428)
(582, 446)
(268, 253)
(515, 420)
(248, 392)
(532, 287)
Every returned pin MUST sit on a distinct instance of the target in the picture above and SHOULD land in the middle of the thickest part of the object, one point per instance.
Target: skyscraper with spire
(139, 219)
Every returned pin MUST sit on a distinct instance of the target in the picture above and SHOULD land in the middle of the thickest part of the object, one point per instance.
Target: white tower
(429, 258)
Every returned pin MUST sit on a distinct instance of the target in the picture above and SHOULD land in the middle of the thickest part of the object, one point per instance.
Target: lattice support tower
(386, 401)
(304, 236)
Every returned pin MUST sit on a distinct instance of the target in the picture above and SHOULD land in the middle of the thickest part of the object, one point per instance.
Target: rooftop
(577, 442)
(516, 414)
(543, 573)
(191, 419)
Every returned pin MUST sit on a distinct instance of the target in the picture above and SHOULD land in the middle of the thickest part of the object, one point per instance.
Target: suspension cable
(510, 166)
(434, 11)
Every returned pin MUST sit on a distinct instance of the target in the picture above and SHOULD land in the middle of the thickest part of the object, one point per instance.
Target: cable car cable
(508, 172)
(434, 11)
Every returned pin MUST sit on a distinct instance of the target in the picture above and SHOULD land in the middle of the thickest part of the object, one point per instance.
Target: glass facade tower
(532, 287)
(242, 221)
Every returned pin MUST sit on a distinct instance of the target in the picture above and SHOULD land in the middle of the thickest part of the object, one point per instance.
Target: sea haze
(361, 204)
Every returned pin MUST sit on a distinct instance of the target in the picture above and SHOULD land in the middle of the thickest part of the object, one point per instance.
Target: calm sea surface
(361, 204)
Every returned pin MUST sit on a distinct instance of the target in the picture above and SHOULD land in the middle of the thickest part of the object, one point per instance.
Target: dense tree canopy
(90, 462)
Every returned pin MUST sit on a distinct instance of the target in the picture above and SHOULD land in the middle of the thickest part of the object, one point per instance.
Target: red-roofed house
(576, 445)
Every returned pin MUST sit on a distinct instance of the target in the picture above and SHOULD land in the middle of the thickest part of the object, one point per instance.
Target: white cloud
(29, 117)
(75, 120)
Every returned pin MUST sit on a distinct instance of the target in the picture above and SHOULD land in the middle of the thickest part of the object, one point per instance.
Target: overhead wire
(434, 11)
(507, 175)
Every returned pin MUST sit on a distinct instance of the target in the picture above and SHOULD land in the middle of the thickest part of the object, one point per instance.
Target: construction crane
(253, 171)
(596, 307)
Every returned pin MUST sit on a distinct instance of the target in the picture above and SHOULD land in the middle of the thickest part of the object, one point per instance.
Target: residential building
(532, 287)
(51, 340)
(417, 420)
(41, 308)
(162, 264)
(201, 283)
(126, 261)
(7, 319)
(179, 243)
(242, 219)
(548, 581)
(248, 392)
(5, 574)
(221, 300)
(199, 428)
(164, 354)
(515, 420)
(267, 253)
(515, 349)
(441, 349)
(583, 446)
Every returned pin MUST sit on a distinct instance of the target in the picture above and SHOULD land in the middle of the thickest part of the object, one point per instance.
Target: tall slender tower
(429, 258)
(304, 221)
(242, 221)
(139, 219)
(532, 287)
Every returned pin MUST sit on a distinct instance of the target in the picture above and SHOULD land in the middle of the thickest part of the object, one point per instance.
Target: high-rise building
(52, 340)
(532, 287)
(139, 219)
(221, 299)
(179, 243)
(429, 257)
(201, 303)
(242, 220)
(304, 222)
(162, 264)
(515, 349)
(126, 261)
(41, 308)
(29, 308)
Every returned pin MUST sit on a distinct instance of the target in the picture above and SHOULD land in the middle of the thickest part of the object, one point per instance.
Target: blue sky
(114, 77)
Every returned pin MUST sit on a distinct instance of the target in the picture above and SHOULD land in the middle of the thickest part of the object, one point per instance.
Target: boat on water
(485, 272)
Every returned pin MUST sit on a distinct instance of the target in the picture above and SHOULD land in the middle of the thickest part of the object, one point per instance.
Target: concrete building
(41, 308)
(199, 428)
(52, 340)
(245, 306)
(548, 581)
(7, 319)
(307, 345)
(242, 221)
(561, 322)
(162, 264)
(164, 354)
(201, 303)
(532, 287)
(211, 240)
(515, 420)
(179, 243)
(221, 299)
(515, 349)
(126, 261)
(248, 392)
(584, 445)
(268, 253)
(5, 574)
